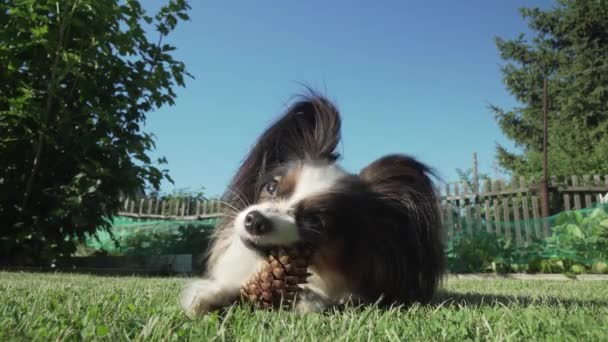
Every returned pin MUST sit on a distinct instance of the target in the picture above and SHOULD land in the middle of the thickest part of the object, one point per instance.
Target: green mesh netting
(577, 241)
(136, 236)
(574, 241)
(524, 230)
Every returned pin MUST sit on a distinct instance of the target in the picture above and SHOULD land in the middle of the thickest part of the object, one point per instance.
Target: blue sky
(409, 77)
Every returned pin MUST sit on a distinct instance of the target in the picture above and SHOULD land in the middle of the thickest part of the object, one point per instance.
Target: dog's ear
(309, 129)
(404, 185)
(398, 176)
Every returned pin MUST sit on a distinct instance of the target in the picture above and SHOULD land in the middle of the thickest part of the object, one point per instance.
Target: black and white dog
(377, 234)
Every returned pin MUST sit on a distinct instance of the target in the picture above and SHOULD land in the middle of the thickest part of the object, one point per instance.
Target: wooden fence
(513, 208)
(510, 209)
(173, 209)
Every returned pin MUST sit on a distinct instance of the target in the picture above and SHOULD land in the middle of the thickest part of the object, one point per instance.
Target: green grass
(47, 307)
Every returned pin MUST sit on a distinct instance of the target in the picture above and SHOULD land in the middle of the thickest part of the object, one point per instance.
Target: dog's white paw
(203, 296)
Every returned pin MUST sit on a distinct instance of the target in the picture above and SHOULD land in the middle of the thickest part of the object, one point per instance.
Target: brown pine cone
(276, 284)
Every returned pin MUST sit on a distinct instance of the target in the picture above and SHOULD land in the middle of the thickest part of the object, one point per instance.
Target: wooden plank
(527, 225)
(515, 208)
(536, 217)
(163, 204)
(172, 217)
(126, 206)
(505, 213)
(141, 206)
(446, 209)
(198, 207)
(496, 209)
(450, 218)
(467, 209)
(582, 188)
(457, 205)
(553, 181)
(506, 228)
(523, 183)
(567, 202)
(469, 218)
(132, 209)
(478, 225)
(515, 185)
(182, 208)
(588, 201)
(597, 181)
(577, 196)
(486, 188)
(175, 211)
(205, 207)
(156, 206)
(518, 238)
(149, 206)
(494, 193)
(488, 215)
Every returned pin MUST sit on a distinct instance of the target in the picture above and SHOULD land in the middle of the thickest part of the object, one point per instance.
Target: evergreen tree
(569, 47)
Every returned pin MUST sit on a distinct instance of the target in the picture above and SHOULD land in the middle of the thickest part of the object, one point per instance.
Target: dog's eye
(315, 221)
(271, 187)
(310, 222)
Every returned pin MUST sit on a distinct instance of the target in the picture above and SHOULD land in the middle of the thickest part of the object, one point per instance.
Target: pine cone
(277, 282)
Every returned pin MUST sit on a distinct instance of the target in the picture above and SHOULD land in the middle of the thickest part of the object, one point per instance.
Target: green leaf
(40, 31)
(575, 231)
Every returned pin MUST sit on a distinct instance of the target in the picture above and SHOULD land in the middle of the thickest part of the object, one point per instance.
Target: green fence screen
(135, 236)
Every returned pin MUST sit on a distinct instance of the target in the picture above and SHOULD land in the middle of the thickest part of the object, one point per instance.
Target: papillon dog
(376, 235)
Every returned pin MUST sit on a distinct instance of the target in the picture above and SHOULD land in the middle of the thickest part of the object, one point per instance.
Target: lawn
(46, 307)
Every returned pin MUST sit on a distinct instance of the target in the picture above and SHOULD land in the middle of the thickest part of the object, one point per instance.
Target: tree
(569, 48)
(77, 78)
(466, 177)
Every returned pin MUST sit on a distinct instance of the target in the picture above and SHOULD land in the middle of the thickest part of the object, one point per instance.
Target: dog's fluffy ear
(405, 185)
(309, 129)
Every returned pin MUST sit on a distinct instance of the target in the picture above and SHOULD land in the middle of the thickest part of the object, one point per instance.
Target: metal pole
(544, 190)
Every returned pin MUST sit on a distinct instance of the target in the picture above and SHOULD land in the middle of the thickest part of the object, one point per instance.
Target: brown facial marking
(284, 184)
(287, 183)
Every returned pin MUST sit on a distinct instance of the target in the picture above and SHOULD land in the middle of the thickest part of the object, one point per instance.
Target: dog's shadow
(450, 299)
(456, 301)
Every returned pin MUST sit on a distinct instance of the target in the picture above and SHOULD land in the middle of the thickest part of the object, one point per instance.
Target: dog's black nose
(256, 223)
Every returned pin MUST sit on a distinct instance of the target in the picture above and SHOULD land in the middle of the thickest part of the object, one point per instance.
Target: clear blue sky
(409, 77)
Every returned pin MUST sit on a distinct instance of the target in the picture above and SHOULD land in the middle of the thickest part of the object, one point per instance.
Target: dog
(377, 234)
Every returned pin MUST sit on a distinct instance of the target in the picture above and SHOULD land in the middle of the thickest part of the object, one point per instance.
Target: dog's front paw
(310, 301)
(203, 296)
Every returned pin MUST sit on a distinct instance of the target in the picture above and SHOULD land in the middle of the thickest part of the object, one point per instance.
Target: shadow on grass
(478, 300)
